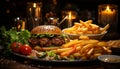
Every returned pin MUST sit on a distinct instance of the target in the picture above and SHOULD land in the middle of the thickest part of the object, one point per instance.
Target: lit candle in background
(23, 25)
(37, 10)
(107, 15)
(34, 5)
(71, 15)
(69, 19)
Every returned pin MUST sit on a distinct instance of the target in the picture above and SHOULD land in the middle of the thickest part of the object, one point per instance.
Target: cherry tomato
(15, 46)
(25, 49)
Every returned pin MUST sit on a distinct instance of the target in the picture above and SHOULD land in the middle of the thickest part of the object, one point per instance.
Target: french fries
(86, 27)
(84, 37)
(71, 43)
(68, 52)
(62, 50)
(105, 28)
(84, 49)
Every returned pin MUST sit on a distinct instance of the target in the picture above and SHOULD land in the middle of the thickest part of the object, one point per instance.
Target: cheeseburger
(46, 37)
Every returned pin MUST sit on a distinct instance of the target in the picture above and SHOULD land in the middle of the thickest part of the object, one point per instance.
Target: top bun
(44, 29)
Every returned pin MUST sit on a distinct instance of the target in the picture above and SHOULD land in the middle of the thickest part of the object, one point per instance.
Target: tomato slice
(15, 46)
(25, 49)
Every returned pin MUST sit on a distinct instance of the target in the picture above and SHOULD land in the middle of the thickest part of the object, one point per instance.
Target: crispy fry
(92, 41)
(90, 51)
(86, 27)
(77, 54)
(102, 43)
(62, 50)
(83, 37)
(94, 56)
(88, 46)
(84, 48)
(81, 43)
(105, 28)
(105, 48)
(68, 52)
(81, 21)
(71, 43)
(78, 48)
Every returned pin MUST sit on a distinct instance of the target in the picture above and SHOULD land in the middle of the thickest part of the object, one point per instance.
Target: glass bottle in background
(34, 15)
(70, 16)
(86, 14)
(51, 18)
(50, 12)
(70, 13)
(20, 23)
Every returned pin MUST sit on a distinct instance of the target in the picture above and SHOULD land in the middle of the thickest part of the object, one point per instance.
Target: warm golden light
(69, 15)
(37, 9)
(108, 9)
(34, 5)
(23, 25)
(69, 19)
(30, 9)
(108, 14)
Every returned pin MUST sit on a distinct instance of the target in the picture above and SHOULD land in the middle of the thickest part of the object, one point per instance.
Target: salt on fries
(84, 49)
(86, 27)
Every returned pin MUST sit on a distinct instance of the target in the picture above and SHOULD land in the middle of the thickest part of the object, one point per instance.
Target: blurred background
(84, 10)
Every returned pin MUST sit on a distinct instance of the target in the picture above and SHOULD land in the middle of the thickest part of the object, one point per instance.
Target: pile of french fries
(86, 27)
(84, 49)
(114, 43)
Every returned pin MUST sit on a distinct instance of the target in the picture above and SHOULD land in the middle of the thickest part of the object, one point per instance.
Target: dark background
(10, 9)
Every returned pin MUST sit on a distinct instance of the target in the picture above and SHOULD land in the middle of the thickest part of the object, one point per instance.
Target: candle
(37, 9)
(23, 25)
(69, 19)
(37, 12)
(34, 5)
(69, 16)
(107, 15)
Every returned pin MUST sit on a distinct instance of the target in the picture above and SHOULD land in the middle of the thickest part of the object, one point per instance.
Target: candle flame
(34, 5)
(108, 8)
